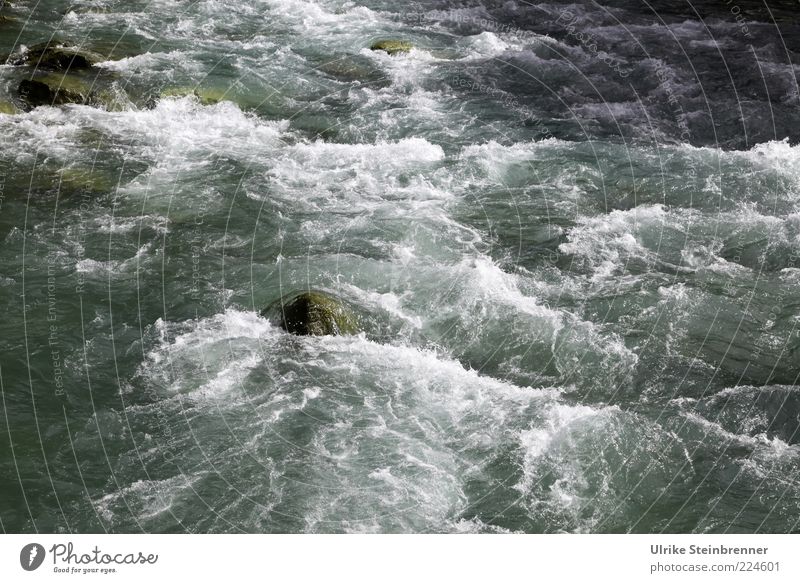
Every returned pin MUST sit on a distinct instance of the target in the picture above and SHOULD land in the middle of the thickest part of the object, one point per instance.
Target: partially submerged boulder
(58, 89)
(392, 47)
(54, 90)
(36, 93)
(57, 56)
(313, 313)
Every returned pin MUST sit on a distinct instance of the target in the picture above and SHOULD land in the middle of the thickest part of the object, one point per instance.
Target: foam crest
(206, 358)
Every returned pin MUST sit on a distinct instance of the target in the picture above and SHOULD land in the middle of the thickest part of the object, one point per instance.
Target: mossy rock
(112, 99)
(8, 108)
(204, 95)
(57, 56)
(75, 84)
(392, 47)
(37, 93)
(55, 90)
(313, 313)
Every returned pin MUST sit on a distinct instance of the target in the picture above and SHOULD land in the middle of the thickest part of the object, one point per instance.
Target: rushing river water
(571, 232)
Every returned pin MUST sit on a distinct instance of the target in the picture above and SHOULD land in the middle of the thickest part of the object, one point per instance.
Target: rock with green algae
(392, 47)
(57, 55)
(112, 99)
(8, 108)
(37, 93)
(313, 313)
(64, 89)
(206, 96)
(55, 90)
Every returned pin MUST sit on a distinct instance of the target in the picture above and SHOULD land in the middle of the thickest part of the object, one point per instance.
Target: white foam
(113, 267)
(661, 237)
(356, 178)
(607, 240)
(117, 225)
(485, 44)
(148, 499)
(535, 441)
(147, 63)
(208, 358)
(764, 444)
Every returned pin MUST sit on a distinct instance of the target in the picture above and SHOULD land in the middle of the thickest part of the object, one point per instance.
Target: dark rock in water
(62, 58)
(57, 56)
(39, 92)
(313, 313)
(63, 89)
(392, 46)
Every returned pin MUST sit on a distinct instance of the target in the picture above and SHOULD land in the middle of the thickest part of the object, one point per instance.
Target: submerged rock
(84, 180)
(313, 313)
(354, 68)
(392, 46)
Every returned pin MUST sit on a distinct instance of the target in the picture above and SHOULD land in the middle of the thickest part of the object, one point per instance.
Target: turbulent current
(571, 234)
